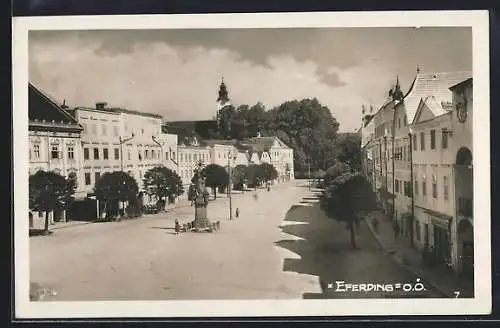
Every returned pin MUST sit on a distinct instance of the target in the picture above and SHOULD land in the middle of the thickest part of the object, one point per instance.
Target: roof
(225, 142)
(121, 110)
(44, 111)
(437, 108)
(461, 84)
(431, 84)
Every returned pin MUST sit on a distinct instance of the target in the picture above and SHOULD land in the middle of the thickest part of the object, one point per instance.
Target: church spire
(223, 98)
(397, 94)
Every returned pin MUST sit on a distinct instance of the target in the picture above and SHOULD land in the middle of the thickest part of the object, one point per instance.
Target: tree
(349, 145)
(216, 176)
(335, 171)
(347, 198)
(49, 191)
(115, 187)
(239, 176)
(255, 175)
(268, 172)
(163, 182)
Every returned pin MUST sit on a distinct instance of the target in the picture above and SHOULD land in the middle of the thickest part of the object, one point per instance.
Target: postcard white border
(481, 304)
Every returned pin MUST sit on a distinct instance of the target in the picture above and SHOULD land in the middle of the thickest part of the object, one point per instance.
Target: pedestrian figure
(396, 230)
(177, 227)
(375, 224)
(255, 196)
(237, 212)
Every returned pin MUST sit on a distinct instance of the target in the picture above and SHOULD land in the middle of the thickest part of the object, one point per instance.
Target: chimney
(100, 105)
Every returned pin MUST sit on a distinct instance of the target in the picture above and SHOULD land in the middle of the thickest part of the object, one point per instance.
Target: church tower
(223, 98)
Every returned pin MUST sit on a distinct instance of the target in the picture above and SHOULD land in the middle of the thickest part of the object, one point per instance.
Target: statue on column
(201, 200)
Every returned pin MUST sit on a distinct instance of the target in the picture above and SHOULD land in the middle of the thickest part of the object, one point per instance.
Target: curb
(398, 261)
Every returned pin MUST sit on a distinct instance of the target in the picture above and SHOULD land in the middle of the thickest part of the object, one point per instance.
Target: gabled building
(54, 141)
(443, 184)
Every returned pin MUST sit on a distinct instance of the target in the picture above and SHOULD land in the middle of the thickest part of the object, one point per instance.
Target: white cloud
(182, 83)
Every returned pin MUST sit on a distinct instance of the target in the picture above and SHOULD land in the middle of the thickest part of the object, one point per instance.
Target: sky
(176, 73)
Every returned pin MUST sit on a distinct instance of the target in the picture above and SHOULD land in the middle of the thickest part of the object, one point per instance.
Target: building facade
(192, 151)
(420, 138)
(54, 142)
(116, 139)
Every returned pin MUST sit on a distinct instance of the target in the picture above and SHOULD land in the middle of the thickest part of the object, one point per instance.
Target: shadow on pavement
(39, 232)
(164, 228)
(324, 250)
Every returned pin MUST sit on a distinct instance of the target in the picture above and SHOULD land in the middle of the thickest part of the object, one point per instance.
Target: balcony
(465, 206)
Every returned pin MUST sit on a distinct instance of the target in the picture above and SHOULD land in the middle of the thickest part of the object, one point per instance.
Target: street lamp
(122, 141)
(410, 137)
(230, 185)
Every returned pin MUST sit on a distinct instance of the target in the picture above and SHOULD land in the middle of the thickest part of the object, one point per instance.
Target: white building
(54, 141)
(442, 162)
(117, 139)
(191, 151)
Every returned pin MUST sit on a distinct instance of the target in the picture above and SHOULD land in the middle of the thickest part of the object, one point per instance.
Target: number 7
(456, 294)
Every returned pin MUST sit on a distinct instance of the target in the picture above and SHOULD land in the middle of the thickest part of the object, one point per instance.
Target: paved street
(249, 258)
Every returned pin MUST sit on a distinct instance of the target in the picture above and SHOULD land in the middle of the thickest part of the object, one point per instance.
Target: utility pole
(410, 135)
(122, 141)
(309, 170)
(230, 185)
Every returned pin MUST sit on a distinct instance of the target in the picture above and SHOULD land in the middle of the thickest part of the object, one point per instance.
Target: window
(195, 157)
(105, 153)
(408, 189)
(152, 154)
(416, 187)
(86, 153)
(96, 153)
(434, 187)
(424, 188)
(97, 175)
(414, 142)
(417, 230)
(433, 139)
(117, 153)
(54, 154)
(445, 188)
(444, 139)
(146, 154)
(71, 153)
(115, 131)
(87, 179)
(422, 141)
(404, 121)
(166, 156)
(94, 129)
(139, 155)
(397, 185)
(173, 155)
(84, 126)
(104, 130)
(129, 155)
(36, 151)
(190, 157)
(399, 123)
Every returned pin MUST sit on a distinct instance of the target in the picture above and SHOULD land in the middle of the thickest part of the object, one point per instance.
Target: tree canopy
(49, 191)
(335, 171)
(349, 145)
(116, 186)
(239, 175)
(216, 176)
(163, 181)
(269, 172)
(347, 198)
(306, 126)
